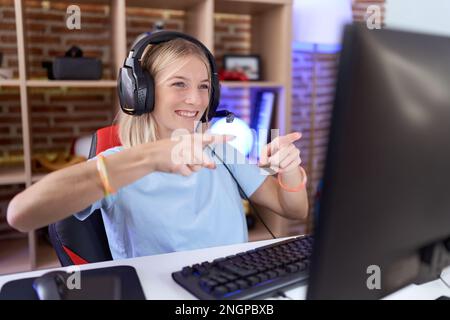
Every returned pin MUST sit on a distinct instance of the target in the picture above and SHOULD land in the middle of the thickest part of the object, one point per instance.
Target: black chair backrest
(80, 242)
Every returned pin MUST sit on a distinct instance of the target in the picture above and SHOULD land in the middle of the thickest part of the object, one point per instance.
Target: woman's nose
(194, 97)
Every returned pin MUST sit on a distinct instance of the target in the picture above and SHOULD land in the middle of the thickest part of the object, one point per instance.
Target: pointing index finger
(216, 138)
(291, 137)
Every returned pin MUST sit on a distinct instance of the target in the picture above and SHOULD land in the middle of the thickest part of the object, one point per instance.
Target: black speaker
(73, 66)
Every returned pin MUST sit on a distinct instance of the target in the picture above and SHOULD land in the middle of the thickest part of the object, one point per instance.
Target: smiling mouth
(187, 114)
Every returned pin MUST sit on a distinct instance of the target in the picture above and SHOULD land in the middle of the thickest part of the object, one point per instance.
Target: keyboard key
(262, 277)
(240, 264)
(278, 263)
(228, 276)
(200, 269)
(271, 274)
(301, 266)
(291, 268)
(186, 271)
(218, 260)
(232, 286)
(254, 255)
(292, 260)
(207, 284)
(253, 280)
(270, 266)
(240, 271)
(261, 268)
(280, 272)
(220, 291)
(229, 267)
(242, 284)
(219, 279)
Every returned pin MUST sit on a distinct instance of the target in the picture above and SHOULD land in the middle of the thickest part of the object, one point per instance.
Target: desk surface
(155, 274)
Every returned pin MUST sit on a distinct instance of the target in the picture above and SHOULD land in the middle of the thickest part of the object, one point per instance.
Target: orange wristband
(300, 187)
(103, 173)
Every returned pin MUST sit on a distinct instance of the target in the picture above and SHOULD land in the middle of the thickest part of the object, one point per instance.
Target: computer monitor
(384, 217)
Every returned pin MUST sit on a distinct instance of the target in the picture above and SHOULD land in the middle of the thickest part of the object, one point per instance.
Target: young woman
(155, 204)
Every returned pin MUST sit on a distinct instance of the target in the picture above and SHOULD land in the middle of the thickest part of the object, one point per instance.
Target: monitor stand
(445, 276)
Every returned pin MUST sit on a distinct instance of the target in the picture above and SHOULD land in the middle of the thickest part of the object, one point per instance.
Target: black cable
(242, 192)
(282, 295)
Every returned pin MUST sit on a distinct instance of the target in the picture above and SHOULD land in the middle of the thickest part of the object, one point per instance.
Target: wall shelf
(251, 84)
(184, 5)
(10, 83)
(72, 83)
(12, 175)
(252, 7)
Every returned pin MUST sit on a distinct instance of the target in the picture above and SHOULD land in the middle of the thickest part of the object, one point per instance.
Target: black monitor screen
(384, 218)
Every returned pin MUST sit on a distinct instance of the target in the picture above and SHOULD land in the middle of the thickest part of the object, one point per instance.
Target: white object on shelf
(6, 73)
(82, 146)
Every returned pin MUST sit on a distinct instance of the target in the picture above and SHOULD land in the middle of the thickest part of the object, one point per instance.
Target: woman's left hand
(281, 155)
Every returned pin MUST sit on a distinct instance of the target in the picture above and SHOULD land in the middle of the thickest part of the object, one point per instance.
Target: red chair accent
(107, 137)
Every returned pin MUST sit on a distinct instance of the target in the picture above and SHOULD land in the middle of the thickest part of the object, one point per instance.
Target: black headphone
(136, 85)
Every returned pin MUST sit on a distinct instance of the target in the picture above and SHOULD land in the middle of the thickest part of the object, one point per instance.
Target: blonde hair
(134, 130)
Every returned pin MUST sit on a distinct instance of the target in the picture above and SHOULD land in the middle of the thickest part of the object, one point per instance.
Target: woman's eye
(179, 84)
(204, 86)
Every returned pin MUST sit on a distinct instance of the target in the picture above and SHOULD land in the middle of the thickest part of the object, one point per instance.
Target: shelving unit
(10, 83)
(72, 83)
(12, 175)
(270, 38)
(252, 84)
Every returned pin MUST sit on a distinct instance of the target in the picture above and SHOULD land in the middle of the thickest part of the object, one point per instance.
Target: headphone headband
(136, 85)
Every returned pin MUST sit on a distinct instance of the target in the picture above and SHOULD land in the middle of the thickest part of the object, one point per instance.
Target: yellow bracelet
(103, 173)
(300, 187)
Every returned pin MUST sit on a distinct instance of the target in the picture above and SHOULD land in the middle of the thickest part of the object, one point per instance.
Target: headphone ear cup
(216, 95)
(121, 90)
(126, 86)
(150, 94)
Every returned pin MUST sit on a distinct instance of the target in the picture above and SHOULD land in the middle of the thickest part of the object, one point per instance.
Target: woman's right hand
(184, 154)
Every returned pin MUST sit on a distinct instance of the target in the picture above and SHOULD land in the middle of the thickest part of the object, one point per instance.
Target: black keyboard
(256, 273)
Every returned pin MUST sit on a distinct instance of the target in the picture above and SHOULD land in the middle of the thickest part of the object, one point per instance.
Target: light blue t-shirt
(164, 212)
